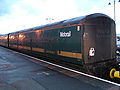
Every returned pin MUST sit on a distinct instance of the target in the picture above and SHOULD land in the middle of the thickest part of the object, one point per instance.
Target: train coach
(88, 42)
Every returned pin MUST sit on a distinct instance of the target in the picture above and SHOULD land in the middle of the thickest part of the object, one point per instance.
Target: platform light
(114, 9)
(49, 20)
(21, 36)
(109, 3)
(37, 31)
(6, 37)
(2, 37)
(12, 37)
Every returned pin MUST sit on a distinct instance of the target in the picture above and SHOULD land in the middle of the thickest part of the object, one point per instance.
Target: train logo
(91, 52)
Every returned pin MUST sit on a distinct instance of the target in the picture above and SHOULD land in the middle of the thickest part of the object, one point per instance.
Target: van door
(89, 44)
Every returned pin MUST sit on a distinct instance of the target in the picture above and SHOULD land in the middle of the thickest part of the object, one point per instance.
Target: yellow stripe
(15, 46)
(70, 54)
(28, 48)
(49, 51)
(38, 49)
(24, 47)
(20, 47)
(61, 53)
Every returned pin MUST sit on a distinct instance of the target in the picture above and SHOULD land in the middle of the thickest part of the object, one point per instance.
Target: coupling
(114, 73)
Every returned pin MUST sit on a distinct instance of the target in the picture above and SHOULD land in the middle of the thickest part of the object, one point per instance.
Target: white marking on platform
(70, 69)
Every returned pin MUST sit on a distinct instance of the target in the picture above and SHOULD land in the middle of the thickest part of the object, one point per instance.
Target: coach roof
(71, 21)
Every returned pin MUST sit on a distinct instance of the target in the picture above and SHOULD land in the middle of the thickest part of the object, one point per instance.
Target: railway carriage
(88, 41)
(4, 40)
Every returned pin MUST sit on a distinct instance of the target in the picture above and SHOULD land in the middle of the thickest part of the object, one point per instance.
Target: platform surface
(18, 72)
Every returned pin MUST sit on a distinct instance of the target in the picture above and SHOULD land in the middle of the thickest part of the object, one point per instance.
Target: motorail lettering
(65, 34)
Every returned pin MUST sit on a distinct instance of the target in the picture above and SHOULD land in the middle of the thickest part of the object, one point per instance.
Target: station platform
(19, 72)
